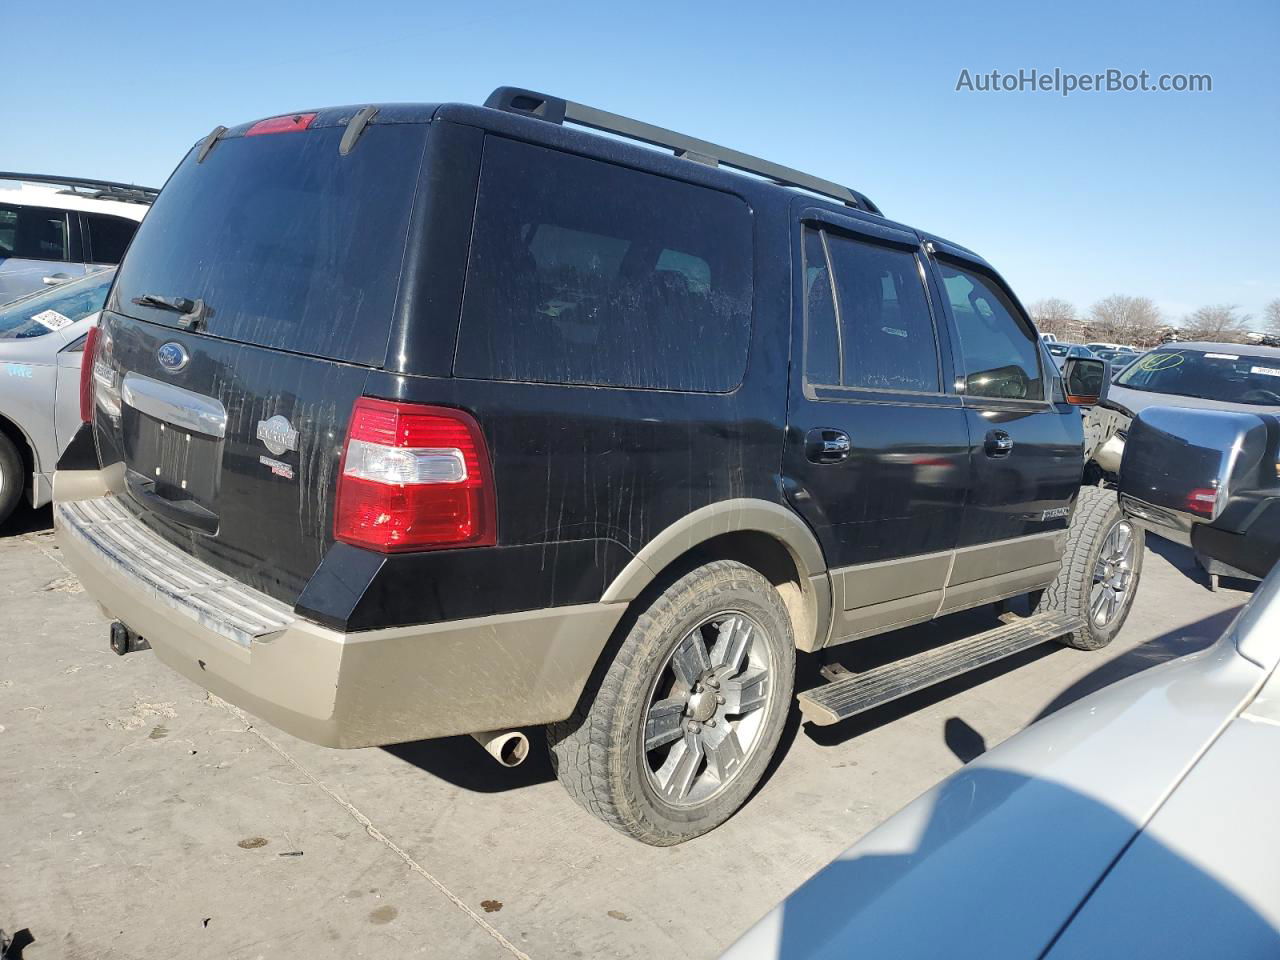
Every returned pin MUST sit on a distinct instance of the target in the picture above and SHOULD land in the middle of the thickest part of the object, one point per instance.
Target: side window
(33, 233)
(876, 332)
(108, 237)
(822, 336)
(1000, 354)
(8, 230)
(586, 272)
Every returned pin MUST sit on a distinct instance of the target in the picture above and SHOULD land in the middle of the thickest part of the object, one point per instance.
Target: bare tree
(1220, 323)
(1054, 315)
(1122, 319)
(1271, 315)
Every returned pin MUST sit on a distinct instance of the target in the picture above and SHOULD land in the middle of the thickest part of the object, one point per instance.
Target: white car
(1137, 822)
(42, 338)
(54, 229)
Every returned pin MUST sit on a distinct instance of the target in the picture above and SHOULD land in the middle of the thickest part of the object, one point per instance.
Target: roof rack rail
(529, 103)
(99, 189)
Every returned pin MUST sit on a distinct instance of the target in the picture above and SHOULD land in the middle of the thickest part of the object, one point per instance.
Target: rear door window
(873, 329)
(108, 236)
(585, 272)
(290, 245)
(1000, 350)
(33, 233)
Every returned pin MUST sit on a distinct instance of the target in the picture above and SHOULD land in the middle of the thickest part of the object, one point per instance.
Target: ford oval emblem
(173, 356)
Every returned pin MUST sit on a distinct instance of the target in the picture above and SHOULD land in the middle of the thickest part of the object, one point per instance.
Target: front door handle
(827, 446)
(997, 444)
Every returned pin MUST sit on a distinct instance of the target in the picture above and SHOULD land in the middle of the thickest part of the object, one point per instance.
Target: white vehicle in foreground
(1138, 822)
(54, 229)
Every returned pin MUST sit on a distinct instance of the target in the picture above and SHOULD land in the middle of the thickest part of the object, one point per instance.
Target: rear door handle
(824, 445)
(997, 444)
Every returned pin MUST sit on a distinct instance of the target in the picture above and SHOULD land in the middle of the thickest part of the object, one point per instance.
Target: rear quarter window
(585, 272)
(291, 245)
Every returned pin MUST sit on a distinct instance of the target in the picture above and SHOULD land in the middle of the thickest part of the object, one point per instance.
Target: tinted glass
(822, 343)
(1233, 377)
(585, 272)
(999, 350)
(290, 244)
(108, 237)
(33, 233)
(52, 309)
(886, 332)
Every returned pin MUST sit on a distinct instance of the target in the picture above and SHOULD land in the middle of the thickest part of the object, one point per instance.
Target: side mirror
(1085, 380)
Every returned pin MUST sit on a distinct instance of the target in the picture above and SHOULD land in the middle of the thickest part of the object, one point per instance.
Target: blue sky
(1168, 195)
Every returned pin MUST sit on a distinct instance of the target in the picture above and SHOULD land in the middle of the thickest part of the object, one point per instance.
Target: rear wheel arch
(26, 450)
(766, 536)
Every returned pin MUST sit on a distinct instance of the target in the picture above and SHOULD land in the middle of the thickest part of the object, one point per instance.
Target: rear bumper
(335, 689)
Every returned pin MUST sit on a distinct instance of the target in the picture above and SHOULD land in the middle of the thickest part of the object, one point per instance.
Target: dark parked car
(1202, 376)
(413, 421)
(1062, 351)
(1120, 360)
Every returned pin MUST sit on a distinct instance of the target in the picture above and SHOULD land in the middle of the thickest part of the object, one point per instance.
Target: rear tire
(11, 477)
(679, 729)
(1100, 570)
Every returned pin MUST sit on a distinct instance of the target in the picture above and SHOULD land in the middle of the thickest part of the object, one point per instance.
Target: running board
(854, 693)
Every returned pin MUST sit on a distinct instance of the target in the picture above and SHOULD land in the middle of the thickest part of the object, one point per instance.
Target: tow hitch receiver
(123, 640)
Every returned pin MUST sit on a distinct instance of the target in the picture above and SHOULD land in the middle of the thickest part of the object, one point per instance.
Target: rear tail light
(293, 123)
(86, 374)
(414, 477)
(1202, 500)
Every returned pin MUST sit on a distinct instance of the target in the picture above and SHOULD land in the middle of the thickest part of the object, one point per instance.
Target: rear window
(290, 245)
(586, 272)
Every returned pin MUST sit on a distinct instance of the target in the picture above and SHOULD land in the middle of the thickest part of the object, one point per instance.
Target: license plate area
(173, 469)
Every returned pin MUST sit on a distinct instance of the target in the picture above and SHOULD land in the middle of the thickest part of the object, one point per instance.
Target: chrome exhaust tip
(509, 747)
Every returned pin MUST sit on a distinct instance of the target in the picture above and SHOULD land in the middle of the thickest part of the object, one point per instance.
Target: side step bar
(857, 692)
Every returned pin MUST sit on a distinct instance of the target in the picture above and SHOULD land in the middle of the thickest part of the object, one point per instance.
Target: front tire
(1100, 570)
(682, 724)
(11, 477)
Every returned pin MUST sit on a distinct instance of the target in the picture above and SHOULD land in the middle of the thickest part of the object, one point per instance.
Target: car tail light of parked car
(414, 477)
(1202, 500)
(86, 374)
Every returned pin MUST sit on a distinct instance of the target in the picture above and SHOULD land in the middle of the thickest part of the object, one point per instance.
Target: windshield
(1058, 349)
(39, 313)
(1230, 377)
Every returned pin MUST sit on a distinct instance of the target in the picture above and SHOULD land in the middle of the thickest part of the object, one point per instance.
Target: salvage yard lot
(142, 818)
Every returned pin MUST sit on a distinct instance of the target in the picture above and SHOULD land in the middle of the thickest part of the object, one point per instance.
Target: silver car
(41, 342)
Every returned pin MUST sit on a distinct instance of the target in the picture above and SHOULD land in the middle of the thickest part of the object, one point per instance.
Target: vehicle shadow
(463, 762)
(25, 520)
(1183, 558)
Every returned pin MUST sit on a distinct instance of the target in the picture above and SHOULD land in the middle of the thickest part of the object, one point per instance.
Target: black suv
(413, 421)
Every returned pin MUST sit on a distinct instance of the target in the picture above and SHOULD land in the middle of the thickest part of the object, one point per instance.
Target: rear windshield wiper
(192, 313)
